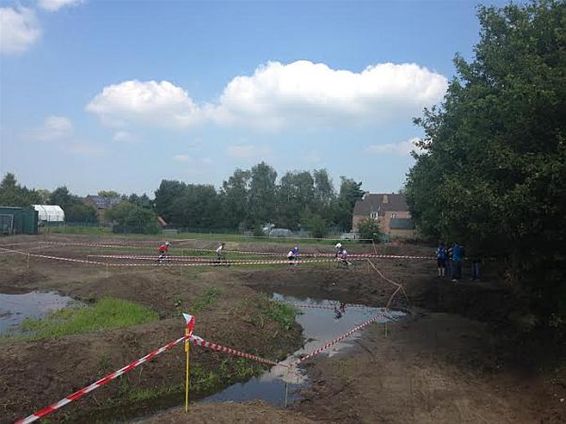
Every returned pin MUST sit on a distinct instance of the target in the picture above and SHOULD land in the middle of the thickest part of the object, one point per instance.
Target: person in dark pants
(457, 256)
(476, 262)
(441, 258)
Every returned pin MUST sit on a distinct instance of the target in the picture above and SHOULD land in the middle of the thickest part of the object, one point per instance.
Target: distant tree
(234, 196)
(165, 196)
(350, 192)
(369, 230)
(61, 197)
(314, 223)
(79, 212)
(295, 194)
(197, 207)
(132, 218)
(262, 197)
(44, 196)
(13, 194)
(74, 208)
(109, 194)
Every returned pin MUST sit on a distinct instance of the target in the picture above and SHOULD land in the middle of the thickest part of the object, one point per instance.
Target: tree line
(494, 164)
(247, 200)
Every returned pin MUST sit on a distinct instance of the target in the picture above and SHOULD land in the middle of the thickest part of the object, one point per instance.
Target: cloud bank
(279, 96)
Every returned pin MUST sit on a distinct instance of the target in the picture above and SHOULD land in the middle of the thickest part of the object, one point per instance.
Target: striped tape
(170, 264)
(196, 340)
(332, 342)
(248, 252)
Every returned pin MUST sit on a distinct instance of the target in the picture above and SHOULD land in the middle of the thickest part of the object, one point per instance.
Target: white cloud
(280, 96)
(54, 5)
(402, 148)
(124, 137)
(54, 128)
(312, 94)
(149, 103)
(181, 158)
(19, 29)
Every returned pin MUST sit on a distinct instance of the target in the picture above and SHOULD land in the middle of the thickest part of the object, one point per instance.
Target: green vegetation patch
(106, 313)
(261, 310)
(206, 299)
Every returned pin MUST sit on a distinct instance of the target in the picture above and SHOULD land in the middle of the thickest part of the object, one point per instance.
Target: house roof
(401, 224)
(103, 202)
(380, 202)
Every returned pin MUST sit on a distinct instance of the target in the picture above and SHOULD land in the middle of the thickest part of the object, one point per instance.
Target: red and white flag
(190, 320)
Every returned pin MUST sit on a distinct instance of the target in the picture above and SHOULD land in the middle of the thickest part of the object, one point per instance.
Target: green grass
(206, 299)
(271, 310)
(106, 313)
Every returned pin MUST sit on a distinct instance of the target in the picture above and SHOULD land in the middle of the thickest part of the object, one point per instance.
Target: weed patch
(206, 299)
(106, 313)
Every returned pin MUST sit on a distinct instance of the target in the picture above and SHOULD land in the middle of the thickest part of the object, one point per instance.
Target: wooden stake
(187, 371)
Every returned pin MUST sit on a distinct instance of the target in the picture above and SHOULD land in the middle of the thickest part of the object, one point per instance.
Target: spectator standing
(441, 258)
(457, 256)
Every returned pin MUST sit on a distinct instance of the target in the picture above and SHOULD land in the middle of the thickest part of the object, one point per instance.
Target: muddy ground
(446, 363)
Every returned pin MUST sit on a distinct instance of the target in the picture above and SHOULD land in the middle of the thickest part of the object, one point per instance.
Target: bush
(369, 230)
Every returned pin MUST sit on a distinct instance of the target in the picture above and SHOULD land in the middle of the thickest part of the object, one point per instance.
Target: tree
(295, 194)
(110, 194)
(75, 209)
(350, 192)
(234, 198)
(197, 207)
(13, 194)
(262, 195)
(492, 175)
(61, 197)
(133, 218)
(165, 195)
(369, 230)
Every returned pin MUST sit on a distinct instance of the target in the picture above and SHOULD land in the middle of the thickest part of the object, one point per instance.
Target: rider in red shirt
(163, 251)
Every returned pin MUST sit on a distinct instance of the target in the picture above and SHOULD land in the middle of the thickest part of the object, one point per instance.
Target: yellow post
(187, 376)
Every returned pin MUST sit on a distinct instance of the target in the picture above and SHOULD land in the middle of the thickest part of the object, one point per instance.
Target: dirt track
(434, 367)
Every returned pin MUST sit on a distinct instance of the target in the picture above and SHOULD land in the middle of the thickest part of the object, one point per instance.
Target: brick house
(389, 209)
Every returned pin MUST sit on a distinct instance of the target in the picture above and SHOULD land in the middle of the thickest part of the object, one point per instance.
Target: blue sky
(121, 94)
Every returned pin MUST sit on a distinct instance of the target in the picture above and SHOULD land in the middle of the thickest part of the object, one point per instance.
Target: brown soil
(432, 367)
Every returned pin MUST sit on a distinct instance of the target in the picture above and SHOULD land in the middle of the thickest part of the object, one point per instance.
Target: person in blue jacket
(457, 257)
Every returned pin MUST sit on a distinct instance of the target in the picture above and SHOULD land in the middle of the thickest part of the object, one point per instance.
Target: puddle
(320, 324)
(14, 308)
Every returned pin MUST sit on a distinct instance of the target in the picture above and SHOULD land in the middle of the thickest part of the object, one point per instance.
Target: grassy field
(106, 313)
(227, 237)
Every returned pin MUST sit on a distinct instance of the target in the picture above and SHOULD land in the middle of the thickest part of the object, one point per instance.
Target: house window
(393, 215)
(373, 215)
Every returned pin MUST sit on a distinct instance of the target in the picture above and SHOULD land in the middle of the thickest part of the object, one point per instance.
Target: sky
(118, 95)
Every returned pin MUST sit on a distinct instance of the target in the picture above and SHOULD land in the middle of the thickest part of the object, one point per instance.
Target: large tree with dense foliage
(494, 164)
(13, 194)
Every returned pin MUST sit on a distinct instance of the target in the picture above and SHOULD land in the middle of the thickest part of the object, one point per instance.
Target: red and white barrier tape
(339, 339)
(196, 340)
(248, 252)
(299, 305)
(211, 262)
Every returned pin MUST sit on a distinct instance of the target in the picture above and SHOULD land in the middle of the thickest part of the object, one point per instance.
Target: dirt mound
(229, 413)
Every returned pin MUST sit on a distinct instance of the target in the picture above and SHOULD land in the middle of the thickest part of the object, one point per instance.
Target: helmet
(338, 245)
(167, 243)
